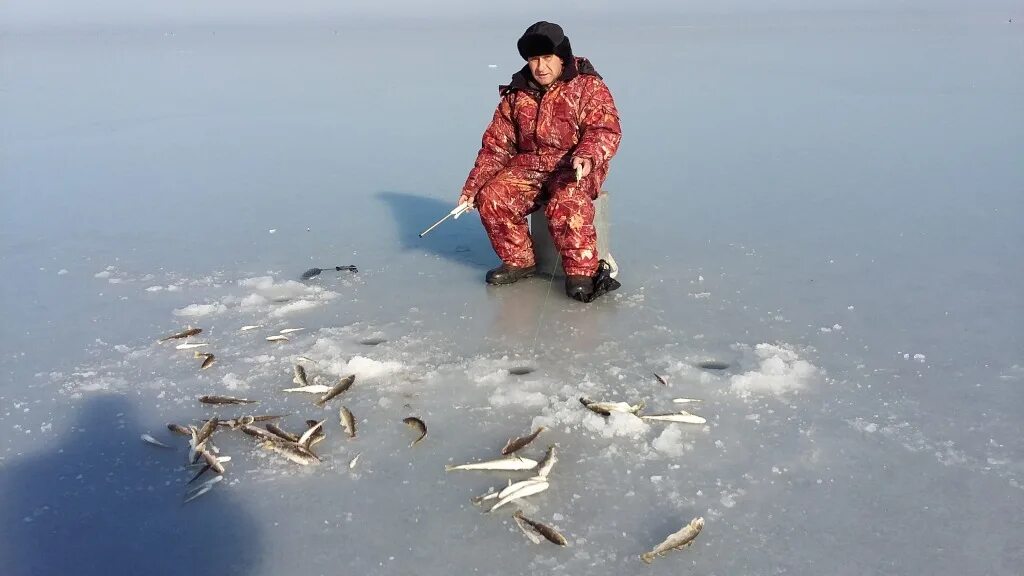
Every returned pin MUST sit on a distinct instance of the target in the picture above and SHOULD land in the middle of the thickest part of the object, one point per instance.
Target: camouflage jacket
(542, 129)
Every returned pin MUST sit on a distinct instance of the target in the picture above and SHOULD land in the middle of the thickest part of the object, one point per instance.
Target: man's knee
(569, 203)
(492, 200)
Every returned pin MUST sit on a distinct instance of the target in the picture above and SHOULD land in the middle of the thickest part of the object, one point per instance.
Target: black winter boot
(506, 274)
(579, 287)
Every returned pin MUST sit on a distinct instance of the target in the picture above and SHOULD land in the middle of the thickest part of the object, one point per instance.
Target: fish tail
(647, 557)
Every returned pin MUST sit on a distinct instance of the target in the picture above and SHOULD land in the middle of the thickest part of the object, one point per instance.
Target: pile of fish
(204, 456)
(512, 462)
(269, 435)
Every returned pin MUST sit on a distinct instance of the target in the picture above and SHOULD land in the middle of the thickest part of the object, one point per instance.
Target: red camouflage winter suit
(524, 161)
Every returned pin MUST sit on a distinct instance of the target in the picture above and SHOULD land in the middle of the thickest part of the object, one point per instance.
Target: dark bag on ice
(603, 281)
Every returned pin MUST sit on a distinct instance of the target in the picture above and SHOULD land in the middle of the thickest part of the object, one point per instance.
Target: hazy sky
(44, 13)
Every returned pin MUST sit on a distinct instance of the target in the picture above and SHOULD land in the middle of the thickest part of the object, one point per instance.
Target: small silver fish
(150, 440)
(202, 470)
(348, 421)
(529, 532)
(606, 408)
(685, 400)
(266, 417)
(292, 451)
(283, 434)
(276, 338)
(300, 375)
(257, 432)
(212, 399)
(548, 463)
(234, 423)
(352, 463)
(510, 463)
(206, 431)
(208, 359)
(179, 429)
(202, 489)
(528, 489)
(662, 379)
(212, 461)
(683, 417)
(183, 334)
(290, 330)
(418, 425)
(307, 436)
(512, 487)
(311, 389)
(676, 541)
(338, 389)
(190, 346)
(552, 535)
(515, 444)
(318, 436)
(249, 327)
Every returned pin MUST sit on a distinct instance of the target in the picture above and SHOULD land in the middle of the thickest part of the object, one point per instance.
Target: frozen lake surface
(827, 204)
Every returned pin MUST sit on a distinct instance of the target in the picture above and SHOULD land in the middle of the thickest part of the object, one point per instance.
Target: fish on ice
(300, 375)
(682, 416)
(511, 463)
(208, 359)
(338, 389)
(202, 489)
(310, 389)
(214, 399)
(417, 425)
(281, 433)
(516, 444)
(150, 440)
(190, 346)
(606, 408)
(527, 531)
(528, 488)
(292, 451)
(183, 334)
(547, 463)
(315, 429)
(179, 429)
(549, 533)
(348, 421)
(676, 541)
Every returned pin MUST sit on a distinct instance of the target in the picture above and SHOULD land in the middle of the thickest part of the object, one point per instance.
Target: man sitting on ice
(549, 143)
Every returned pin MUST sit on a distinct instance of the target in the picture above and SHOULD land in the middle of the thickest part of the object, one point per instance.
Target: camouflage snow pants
(515, 192)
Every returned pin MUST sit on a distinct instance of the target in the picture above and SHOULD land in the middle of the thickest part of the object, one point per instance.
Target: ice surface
(779, 370)
(820, 207)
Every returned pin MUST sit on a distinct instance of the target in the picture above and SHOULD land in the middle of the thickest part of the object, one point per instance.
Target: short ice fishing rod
(457, 211)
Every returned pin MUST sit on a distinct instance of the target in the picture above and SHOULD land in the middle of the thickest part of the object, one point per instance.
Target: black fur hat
(544, 38)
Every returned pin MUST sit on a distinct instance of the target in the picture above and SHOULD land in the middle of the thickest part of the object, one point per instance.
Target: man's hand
(466, 199)
(582, 166)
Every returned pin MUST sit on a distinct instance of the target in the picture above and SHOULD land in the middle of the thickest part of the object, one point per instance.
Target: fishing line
(543, 307)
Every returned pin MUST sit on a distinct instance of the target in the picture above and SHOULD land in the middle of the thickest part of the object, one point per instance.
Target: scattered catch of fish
(298, 446)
